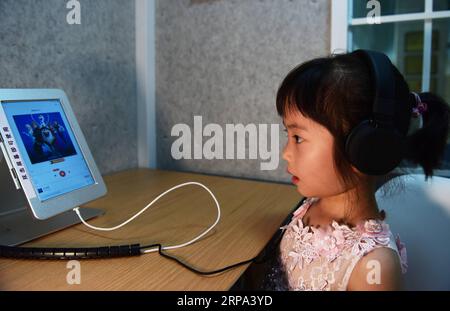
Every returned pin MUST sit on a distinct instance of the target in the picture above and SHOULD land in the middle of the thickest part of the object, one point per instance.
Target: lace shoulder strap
(300, 212)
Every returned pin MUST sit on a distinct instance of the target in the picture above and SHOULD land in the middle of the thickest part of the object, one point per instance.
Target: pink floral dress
(323, 259)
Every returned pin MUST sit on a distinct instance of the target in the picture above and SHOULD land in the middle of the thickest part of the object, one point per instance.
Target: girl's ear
(356, 171)
(363, 177)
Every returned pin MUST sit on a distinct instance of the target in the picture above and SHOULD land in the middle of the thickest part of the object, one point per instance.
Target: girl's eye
(297, 138)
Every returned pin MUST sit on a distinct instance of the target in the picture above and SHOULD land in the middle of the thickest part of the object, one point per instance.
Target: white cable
(76, 210)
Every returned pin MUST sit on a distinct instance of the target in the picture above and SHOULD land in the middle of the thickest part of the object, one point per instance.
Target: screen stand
(17, 223)
(20, 226)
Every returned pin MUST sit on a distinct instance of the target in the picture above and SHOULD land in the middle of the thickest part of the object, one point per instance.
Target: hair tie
(416, 116)
(420, 107)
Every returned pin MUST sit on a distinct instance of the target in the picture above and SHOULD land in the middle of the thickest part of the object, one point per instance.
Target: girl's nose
(286, 154)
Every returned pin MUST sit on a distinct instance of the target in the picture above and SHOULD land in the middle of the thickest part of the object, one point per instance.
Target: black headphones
(375, 146)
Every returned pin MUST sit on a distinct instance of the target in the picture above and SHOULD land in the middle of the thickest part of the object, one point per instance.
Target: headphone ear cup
(374, 150)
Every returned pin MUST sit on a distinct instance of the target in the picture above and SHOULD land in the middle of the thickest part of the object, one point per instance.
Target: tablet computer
(46, 151)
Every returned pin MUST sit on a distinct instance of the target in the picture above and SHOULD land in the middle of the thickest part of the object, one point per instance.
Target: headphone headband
(384, 84)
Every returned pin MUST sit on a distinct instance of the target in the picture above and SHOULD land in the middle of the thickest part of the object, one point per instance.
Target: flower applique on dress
(323, 258)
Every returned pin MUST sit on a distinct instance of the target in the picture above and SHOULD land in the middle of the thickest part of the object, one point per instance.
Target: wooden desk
(251, 213)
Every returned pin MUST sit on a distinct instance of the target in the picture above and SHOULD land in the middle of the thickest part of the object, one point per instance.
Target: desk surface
(251, 214)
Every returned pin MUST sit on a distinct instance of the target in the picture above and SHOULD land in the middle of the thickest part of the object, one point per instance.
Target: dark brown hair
(338, 93)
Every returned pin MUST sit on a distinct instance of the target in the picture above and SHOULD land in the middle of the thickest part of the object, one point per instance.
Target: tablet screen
(48, 147)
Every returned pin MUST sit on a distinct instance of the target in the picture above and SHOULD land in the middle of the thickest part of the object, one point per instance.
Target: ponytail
(426, 146)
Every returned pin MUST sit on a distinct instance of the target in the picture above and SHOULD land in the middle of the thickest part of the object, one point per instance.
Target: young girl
(338, 238)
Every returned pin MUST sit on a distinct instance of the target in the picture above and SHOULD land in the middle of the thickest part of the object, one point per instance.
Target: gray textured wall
(223, 60)
(93, 62)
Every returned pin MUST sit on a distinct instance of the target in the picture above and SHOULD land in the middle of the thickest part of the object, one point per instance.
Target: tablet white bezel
(61, 203)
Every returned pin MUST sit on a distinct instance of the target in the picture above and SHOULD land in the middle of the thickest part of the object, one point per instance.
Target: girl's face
(309, 155)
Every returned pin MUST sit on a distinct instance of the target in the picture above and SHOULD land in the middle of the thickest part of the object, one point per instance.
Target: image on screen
(45, 136)
(50, 152)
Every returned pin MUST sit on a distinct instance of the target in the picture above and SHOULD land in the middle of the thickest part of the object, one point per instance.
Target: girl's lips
(294, 179)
